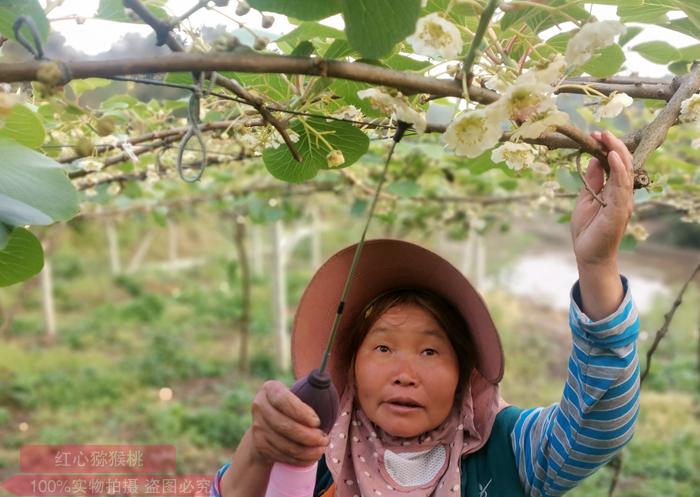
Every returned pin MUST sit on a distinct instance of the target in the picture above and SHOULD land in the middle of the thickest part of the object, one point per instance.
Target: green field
(123, 338)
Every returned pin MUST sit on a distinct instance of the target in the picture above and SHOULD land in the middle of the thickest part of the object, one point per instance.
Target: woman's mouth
(403, 406)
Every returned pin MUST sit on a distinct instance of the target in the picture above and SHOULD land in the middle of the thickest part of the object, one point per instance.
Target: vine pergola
(295, 104)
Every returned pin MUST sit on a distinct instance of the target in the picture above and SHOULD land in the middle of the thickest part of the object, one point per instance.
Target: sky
(95, 36)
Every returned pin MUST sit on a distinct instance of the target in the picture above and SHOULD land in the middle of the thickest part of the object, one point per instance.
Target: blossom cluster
(526, 107)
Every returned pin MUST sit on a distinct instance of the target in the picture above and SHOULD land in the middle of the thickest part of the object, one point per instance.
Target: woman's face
(406, 358)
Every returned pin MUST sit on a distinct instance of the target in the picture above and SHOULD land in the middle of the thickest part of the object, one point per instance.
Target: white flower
(590, 38)
(521, 101)
(548, 76)
(473, 132)
(495, 83)
(690, 109)
(638, 231)
(335, 158)
(516, 155)
(613, 106)
(540, 167)
(436, 36)
(348, 112)
(7, 102)
(114, 189)
(549, 188)
(541, 123)
(397, 105)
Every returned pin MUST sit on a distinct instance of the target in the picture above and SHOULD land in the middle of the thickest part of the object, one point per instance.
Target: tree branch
(654, 133)
(668, 317)
(634, 87)
(163, 33)
(408, 83)
(168, 133)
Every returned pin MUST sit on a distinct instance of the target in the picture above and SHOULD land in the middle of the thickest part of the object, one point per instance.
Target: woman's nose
(405, 374)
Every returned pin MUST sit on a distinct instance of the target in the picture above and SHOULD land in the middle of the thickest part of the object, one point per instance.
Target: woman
(418, 361)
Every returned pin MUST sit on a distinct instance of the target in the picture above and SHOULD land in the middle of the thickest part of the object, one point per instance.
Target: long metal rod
(401, 128)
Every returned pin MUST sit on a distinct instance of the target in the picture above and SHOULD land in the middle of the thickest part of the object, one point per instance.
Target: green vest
(489, 472)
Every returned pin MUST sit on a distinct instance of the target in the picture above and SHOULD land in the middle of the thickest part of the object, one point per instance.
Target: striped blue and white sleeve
(557, 446)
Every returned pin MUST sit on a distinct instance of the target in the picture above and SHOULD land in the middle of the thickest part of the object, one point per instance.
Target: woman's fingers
(623, 175)
(595, 176)
(280, 449)
(619, 175)
(277, 432)
(285, 401)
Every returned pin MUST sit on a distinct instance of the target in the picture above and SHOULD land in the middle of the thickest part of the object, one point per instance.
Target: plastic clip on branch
(316, 389)
(37, 50)
(192, 130)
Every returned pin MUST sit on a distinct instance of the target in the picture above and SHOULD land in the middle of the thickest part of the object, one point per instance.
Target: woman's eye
(382, 348)
(431, 351)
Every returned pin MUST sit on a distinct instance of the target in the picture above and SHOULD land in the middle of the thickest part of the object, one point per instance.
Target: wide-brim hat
(385, 265)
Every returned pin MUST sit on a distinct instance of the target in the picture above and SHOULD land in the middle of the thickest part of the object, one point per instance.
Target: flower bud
(242, 8)
(49, 73)
(267, 21)
(335, 158)
(84, 147)
(260, 43)
(104, 126)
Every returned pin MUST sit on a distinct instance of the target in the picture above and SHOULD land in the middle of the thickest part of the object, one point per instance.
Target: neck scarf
(365, 461)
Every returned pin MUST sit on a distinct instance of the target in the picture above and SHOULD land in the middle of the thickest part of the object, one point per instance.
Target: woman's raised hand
(284, 428)
(596, 230)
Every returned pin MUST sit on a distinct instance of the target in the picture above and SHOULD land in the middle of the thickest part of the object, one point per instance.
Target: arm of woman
(556, 447)
(284, 429)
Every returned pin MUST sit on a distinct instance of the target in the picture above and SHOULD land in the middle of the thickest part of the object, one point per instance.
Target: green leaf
(569, 180)
(113, 10)
(305, 10)
(24, 127)
(539, 19)
(658, 52)
(347, 90)
(651, 12)
(479, 165)
(404, 188)
(80, 86)
(273, 85)
(5, 231)
(628, 243)
(338, 50)
(564, 218)
(559, 41)
(691, 52)
(21, 258)
(685, 26)
(374, 27)
(10, 10)
(34, 188)
(303, 49)
(309, 31)
(403, 63)
(342, 136)
(631, 32)
(691, 9)
(679, 67)
(606, 63)
(358, 208)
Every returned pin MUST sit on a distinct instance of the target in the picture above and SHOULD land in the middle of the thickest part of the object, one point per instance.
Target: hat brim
(384, 265)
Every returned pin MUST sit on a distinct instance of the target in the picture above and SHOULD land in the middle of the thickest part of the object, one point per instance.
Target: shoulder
(492, 471)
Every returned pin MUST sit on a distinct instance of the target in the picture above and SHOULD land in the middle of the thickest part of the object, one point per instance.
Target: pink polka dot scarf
(365, 461)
